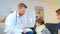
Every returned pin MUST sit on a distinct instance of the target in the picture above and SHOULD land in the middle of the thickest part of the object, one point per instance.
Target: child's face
(58, 16)
(37, 24)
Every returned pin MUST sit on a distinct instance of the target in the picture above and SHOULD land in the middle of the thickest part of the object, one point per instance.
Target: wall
(50, 6)
(59, 3)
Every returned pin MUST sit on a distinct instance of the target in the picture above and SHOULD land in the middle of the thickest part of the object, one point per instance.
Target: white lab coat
(14, 23)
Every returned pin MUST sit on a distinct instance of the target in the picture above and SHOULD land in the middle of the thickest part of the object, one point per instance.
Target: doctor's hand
(24, 30)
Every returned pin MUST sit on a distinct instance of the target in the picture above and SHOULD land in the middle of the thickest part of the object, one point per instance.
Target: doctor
(14, 21)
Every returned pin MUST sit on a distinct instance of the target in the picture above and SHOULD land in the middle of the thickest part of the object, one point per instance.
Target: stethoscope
(17, 19)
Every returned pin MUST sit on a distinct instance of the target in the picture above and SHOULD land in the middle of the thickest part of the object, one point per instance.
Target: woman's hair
(40, 21)
(58, 11)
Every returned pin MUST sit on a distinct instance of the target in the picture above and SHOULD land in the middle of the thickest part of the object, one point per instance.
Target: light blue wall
(5, 5)
(59, 3)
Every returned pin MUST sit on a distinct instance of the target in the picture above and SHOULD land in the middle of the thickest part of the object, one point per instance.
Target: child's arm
(46, 31)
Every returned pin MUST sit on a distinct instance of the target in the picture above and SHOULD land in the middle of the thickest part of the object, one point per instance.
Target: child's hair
(40, 21)
(58, 11)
